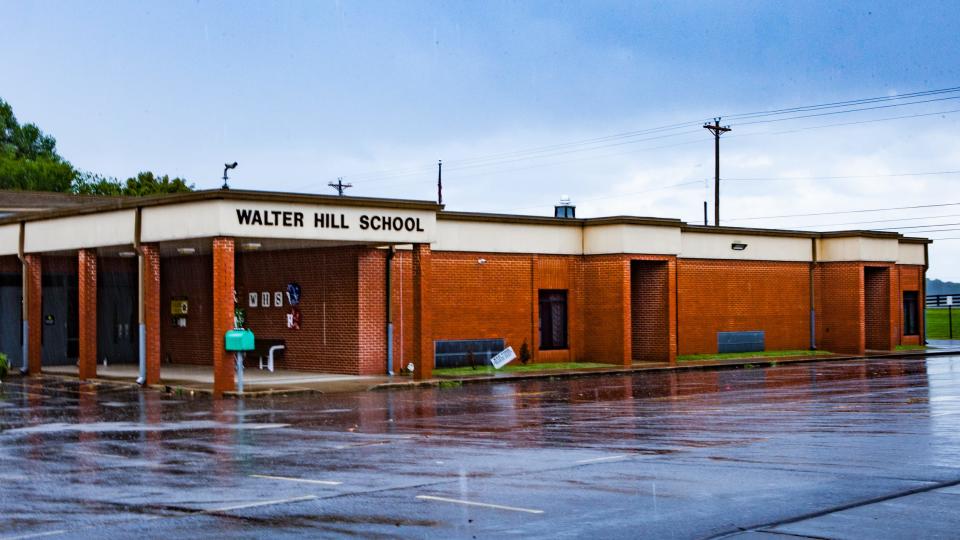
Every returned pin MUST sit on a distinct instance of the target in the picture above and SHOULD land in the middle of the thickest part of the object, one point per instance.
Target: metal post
(239, 368)
(141, 308)
(25, 294)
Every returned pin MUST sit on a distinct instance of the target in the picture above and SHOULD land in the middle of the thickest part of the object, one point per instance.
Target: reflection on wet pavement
(661, 454)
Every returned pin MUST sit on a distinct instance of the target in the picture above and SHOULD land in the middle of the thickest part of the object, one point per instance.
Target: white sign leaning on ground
(503, 358)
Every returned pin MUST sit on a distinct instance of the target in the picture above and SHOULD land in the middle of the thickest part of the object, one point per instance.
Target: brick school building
(370, 286)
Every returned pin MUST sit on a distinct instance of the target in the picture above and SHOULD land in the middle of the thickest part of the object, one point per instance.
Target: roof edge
(130, 203)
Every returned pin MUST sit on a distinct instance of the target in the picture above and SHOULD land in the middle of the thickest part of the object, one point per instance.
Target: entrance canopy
(244, 215)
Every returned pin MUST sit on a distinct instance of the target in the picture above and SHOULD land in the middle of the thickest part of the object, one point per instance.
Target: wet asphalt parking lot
(848, 449)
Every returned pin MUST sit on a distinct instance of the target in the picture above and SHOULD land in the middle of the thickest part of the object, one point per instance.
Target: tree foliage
(145, 183)
(29, 161)
(28, 157)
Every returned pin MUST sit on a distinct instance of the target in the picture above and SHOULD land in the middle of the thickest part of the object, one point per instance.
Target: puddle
(121, 427)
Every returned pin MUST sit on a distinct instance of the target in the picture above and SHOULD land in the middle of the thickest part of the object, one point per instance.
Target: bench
(267, 348)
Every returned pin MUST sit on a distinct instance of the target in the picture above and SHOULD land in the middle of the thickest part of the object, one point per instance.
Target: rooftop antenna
(340, 186)
(440, 181)
(227, 167)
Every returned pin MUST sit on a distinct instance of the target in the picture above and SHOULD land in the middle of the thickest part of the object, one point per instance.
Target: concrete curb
(174, 388)
(691, 366)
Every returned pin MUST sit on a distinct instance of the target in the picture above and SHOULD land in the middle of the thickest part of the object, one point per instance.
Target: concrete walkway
(188, 378)
(255, 381)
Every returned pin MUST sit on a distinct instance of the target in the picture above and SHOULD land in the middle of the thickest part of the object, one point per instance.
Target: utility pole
(340, 186)
(717, 130)
(440, 181)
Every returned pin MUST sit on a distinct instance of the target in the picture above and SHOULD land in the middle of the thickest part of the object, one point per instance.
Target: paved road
(826, 450)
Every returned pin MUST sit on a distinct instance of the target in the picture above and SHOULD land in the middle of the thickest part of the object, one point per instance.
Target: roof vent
(565, 209)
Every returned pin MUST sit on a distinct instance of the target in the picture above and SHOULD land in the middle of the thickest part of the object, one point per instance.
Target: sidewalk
(944, 347)
(199, 379)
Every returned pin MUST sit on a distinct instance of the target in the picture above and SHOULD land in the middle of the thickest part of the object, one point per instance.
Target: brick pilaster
(152, 315)
(87, 306)
(422, 329)
(34, 301)
(223, 286)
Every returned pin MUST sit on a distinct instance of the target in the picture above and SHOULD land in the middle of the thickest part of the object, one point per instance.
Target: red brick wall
(329, 338)
(606, 309)
(401, 285)
(87, 319)
(34, 269)
(732, 296)
(557, 272)
(153, 316)
(649, 310)
(470, 300)
(372, 311)
(189, 277)
(911, 278)
(423, 336)
(876, 286)
(839, 293)
(223, 294)
(9, 264)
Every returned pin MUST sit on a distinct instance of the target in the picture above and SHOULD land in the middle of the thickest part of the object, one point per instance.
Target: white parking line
(607, 458)
(257, 504)
(35, 535)
(484, 505)
(302, 480)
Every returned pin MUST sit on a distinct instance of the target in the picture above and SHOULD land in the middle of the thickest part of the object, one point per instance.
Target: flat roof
(74, 205)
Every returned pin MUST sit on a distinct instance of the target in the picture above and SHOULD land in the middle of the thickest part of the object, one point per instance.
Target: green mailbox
(238, 339)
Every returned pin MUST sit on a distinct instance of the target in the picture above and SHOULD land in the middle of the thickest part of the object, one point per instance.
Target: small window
(553, 319)
(911, 310)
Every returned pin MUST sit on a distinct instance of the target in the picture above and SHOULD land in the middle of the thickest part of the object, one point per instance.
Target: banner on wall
(293, 319)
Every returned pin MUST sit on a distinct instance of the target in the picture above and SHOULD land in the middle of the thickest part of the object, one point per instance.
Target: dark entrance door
(117, 327)
(10, 321)
(59, 332)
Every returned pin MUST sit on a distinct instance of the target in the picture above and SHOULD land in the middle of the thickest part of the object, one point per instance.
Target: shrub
(4, 365)
(524, 353)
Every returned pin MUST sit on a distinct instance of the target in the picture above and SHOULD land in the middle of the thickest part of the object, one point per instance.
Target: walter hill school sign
(328, 220)
(348, 223)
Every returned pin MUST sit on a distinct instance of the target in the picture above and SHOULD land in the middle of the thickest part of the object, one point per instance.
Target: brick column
(223, 285)
(626, 330)
(87, 305)
(34, 299)
(672, 311)
(151, 304)
(422, 331)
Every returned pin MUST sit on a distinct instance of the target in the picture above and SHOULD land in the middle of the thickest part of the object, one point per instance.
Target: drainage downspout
(923, 294)
(141, 309)
(24, 314)
(389, 275)
(813, 308)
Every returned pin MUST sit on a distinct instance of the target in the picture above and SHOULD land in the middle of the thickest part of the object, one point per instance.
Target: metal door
(54, 321)
(10, 321)
(117, 318)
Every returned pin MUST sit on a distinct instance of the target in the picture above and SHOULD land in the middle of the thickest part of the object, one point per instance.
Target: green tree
(144, 184)
(28, 157)
(29, 161)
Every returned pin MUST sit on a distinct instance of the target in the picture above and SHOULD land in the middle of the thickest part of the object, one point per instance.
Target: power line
(847, 177)
(615, 196)
(847, 103)
(629, 134)
(847, 211)
(831, 113)
(875, 221)
(917, 227)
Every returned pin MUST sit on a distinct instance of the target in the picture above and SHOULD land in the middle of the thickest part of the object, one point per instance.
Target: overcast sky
(376, 92)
